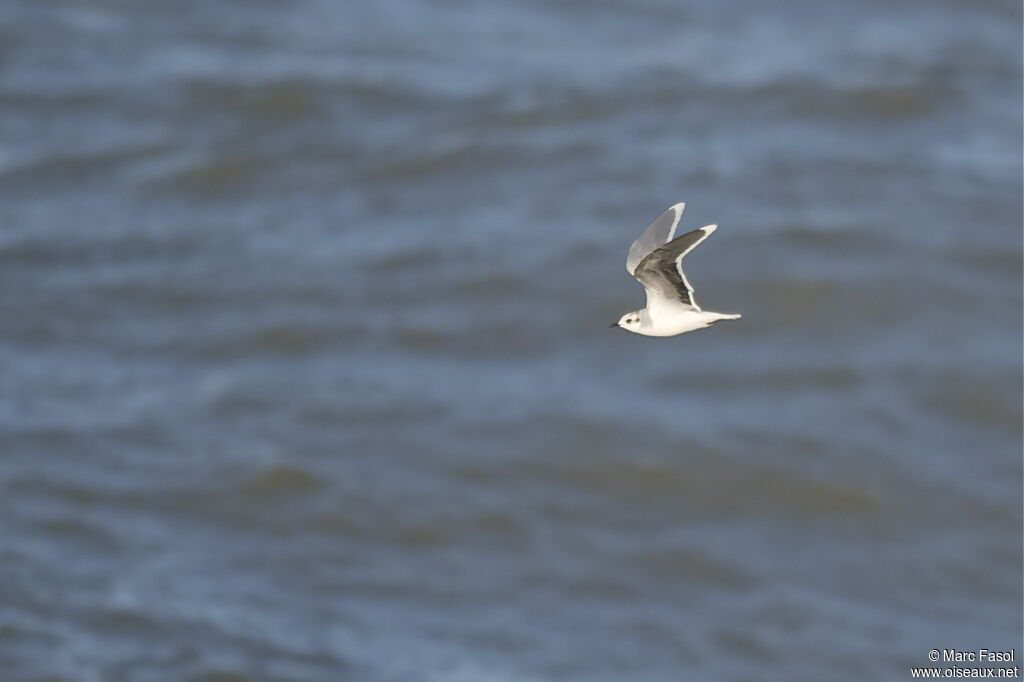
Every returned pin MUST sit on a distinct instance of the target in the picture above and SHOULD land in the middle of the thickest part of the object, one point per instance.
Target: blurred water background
(306, 368)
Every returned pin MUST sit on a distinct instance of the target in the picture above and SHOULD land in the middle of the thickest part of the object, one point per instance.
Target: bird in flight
(656, 260)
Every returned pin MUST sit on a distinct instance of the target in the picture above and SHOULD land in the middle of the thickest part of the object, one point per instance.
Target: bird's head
(629, 321)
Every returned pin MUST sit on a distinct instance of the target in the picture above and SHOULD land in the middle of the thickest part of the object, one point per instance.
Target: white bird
(656, 260)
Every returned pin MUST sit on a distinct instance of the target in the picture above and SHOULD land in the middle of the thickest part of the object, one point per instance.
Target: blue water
(306, 372)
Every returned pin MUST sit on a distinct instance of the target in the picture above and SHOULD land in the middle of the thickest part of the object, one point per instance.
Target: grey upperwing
(660, 231)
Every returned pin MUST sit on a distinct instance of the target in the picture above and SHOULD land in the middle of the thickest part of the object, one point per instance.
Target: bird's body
(655, 259)
(674, 321)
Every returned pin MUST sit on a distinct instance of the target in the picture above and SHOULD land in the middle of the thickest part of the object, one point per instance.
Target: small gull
(656, 260)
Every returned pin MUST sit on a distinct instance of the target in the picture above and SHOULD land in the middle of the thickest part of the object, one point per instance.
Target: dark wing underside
(661, 271)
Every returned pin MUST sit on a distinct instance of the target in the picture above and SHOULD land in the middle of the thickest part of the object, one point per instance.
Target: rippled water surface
(306, 372)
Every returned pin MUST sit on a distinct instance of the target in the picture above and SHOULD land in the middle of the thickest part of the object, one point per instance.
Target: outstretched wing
(661, 271)
(660, 231)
